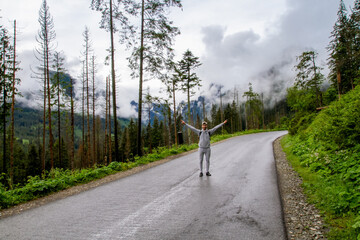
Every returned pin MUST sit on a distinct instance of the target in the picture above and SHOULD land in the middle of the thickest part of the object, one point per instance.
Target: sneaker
(208, 174)
(201, 174)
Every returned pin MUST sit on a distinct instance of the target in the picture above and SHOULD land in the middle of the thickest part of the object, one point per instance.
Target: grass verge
(328, 191)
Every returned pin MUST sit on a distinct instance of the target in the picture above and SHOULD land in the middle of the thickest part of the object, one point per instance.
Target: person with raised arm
(204, 143)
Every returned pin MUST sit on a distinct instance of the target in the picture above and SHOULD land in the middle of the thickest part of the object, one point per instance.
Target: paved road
(239, 201)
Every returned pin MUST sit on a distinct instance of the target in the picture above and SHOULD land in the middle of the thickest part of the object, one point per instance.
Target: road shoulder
(302, 220)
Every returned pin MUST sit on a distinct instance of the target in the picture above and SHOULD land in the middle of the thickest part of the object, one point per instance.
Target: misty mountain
(29, 123)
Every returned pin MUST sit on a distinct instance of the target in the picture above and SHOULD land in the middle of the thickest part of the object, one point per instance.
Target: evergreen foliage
(344, 61)
(323, 147)
(329, 148)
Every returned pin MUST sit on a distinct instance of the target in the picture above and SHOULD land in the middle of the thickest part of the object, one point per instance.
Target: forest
(324, 130)
(321, 113)
(60, 135)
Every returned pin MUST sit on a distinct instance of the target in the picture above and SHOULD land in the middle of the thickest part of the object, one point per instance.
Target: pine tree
(57, 87)
(86, 53)
(150, 55)
(5, 87)
(72, 123)
(174, 86)
(355, 19)
(253, 108)
(308, 75)
(131, 140)
(106, 123)
(213, 113)
(156, 133)
(14, 92)
(190, 80)
(93, 70)
(83, 159)
(341, 47)
(149, 103)
(34, 162)
(112, 12)
(109, 123)
(45, 38)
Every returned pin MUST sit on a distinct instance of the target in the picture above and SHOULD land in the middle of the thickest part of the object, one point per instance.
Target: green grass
(326, 155)
(335, 197)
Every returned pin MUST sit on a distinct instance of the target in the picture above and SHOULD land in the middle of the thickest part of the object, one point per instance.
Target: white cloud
(238, 41)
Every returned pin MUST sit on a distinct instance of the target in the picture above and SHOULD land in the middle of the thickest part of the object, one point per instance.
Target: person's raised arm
(216, 127)
(197, 131)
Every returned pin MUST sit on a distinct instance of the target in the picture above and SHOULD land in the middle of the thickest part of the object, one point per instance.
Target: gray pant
(207, 152)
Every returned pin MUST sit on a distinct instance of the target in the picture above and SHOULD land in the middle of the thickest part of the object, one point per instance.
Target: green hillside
(327, 156)
(29, 124)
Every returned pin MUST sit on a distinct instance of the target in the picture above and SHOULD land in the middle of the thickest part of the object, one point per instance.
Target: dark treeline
(155, 133)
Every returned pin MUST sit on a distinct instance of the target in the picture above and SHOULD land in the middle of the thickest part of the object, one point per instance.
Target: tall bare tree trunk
(109, 119)
(204, 111)
(59, 118)
(12, 111)
(51, 140)
(188, 113)
(139, 149)
(173, 90)
(45, 37)
(43, 155)
(72, 125)
(246, 111)
(113, 84)
(263, 110)
(4, 112)
(106, 122)
(339, 83)
(93, 98)
(169, 128)
(83, 160)
(221, 112)
(88, 152)
(239, 104)
(99, 155)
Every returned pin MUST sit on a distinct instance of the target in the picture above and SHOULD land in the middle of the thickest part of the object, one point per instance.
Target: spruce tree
(115, 19)
(308, 75)
(355, 19)
(5, 88)
(340, 48)
(190, 80)
(253, 107)
(153, 46)
(57, 88)
(45, 38)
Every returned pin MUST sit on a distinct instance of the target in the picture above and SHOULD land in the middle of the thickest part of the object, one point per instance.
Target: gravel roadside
(302, 220)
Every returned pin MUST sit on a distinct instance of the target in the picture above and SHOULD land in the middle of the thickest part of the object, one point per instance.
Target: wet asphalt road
(239, 201)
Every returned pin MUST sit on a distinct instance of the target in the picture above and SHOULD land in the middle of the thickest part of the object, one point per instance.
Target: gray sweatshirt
(204, 137)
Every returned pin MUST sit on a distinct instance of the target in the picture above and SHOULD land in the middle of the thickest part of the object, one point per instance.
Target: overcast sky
(238, 41)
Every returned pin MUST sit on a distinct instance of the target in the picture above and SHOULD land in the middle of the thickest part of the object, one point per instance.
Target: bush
(328, 145)
(300, 122)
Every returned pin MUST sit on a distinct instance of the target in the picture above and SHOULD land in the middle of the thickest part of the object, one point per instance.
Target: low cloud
(234, 60)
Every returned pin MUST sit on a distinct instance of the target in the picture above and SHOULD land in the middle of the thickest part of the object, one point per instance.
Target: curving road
(239, 201)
